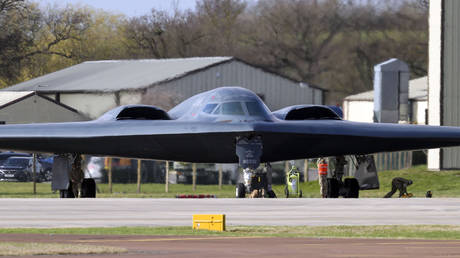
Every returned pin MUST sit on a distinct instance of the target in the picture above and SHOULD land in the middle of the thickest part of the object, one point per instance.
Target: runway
(223, 247)
(47, 213)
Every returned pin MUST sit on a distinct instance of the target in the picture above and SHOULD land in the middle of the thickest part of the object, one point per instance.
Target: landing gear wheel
(352, 187)
(271, 194)
(88, 188)
(286, 192)
(240, 190)
(67, 193)
(332, 188)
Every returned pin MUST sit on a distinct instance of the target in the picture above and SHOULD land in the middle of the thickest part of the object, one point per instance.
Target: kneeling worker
(401, 184)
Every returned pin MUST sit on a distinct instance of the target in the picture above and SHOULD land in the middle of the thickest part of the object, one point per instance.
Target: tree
(28, 32)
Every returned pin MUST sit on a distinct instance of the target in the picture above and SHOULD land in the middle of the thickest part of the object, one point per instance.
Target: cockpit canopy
(237, 108)
(223, 104)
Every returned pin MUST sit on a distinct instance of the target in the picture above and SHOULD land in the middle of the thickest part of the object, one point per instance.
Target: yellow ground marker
(214, 222)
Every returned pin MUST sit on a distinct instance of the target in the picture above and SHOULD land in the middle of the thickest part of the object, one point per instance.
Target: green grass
(442, 184)
(392, 231)
(22, 249)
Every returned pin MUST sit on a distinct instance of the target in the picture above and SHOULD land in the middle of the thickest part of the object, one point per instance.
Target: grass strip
(21, 249)
(440, 232)
(441, 183)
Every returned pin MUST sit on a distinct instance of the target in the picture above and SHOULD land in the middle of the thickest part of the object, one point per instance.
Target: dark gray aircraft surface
(208, 127)
(224, 125)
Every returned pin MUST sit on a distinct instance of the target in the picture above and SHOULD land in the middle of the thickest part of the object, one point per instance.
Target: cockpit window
(232, 108)
(209, 108)
(217, 111)
(254, 109)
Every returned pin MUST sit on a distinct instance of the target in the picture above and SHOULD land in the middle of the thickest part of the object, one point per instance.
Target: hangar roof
(117, 75)
(418, 90)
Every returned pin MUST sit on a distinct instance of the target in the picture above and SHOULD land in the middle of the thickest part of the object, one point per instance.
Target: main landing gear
(349, 188)
(257, 182)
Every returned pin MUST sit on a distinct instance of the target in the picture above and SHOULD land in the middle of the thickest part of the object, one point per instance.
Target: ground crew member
(268, 170)
(399, 183)
(76, 175)
(322, 176)
(429, 194)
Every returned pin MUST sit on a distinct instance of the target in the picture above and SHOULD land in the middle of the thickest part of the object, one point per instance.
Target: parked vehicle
(17, 168)
(5, 155)
(94, 168)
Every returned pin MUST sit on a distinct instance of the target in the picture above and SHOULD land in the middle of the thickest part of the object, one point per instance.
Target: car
(17, 168)
(94, 168)
(5, 155)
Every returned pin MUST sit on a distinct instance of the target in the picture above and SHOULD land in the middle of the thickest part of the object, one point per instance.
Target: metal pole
(110, 175)
(167, 177)
(34, 171)
(305, 170)
(220, 176)
(138, 176)
(194, 177)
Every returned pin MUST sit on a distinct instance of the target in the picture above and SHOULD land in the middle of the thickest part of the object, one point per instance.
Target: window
(217, 111)
(232, 108)
(209, 108)
(254, 109)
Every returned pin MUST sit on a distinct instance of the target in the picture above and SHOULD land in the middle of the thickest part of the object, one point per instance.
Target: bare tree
(27, 32)
(160, 97)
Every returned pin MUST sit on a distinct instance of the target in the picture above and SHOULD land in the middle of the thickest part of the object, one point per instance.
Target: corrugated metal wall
(277, 92)
(451, 78)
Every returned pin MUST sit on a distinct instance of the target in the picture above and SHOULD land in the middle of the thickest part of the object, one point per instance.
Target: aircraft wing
(210, 142)
(149, 139)
(321, 138)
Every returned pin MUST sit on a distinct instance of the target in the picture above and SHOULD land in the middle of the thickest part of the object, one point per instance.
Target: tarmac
(222, 247)
(47, 213)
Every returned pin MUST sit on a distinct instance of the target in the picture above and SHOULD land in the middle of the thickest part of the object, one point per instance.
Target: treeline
(331, 43)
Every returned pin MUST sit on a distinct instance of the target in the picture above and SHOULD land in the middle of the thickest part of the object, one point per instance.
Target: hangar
(360, 107)
(444, 77)
(95, 87)
(30, 107)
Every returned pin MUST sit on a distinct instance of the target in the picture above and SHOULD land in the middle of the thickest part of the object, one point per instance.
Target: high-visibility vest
(322, 169)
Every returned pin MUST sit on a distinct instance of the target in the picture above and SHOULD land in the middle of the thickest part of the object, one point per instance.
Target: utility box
(391, 91)
(214, 222)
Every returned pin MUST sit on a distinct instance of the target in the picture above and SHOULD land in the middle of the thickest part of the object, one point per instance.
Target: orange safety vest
(322, 169)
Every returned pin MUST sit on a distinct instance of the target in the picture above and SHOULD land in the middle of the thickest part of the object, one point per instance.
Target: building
(360, 107)
(95, 87)
(444, 77)
(30, 107)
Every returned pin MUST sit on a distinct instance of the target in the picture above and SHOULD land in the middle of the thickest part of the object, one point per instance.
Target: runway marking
(162, 239)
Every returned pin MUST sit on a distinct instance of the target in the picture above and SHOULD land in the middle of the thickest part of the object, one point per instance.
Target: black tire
(332, 188)
(240, 190)
(352, 187)
(271, 194)
(67, 193)
(286, 192)
(88, 188)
